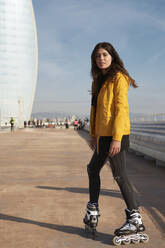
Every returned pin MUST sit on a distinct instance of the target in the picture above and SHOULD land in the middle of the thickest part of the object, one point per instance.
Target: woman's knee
(92, 171)
(123, 181)
(121, 178)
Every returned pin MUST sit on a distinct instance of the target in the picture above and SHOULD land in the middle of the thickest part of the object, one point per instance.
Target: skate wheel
(87, 229)
(90, 231)
(135, 241)
(116, 240)
(94, 234)
(126, 241)
(145, 238)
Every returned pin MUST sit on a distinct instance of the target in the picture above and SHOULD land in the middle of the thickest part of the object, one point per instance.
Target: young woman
(109, 131)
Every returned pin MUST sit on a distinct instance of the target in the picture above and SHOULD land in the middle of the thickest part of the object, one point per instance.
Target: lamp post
(20, 112)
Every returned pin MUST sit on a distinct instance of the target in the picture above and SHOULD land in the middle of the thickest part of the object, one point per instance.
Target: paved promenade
(44, 191)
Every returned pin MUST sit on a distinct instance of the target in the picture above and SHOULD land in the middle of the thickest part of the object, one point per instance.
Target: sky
(68, 31)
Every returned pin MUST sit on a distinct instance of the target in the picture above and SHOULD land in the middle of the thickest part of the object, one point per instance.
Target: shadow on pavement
(103, 237)
(106, 192)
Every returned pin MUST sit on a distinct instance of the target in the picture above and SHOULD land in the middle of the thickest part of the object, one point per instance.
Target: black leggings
(118, 167)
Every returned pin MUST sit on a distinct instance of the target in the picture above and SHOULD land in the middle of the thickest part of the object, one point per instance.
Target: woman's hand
(92, 143)
(114, 148)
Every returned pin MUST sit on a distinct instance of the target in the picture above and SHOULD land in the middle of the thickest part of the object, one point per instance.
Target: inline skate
(132, 230)
(91, 218)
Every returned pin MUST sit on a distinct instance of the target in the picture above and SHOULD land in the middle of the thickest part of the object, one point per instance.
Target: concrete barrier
(148, 138)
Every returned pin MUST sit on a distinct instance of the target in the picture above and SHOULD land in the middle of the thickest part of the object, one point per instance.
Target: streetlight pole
(20, 112)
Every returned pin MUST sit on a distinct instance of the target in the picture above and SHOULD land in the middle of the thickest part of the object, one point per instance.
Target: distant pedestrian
(109, 131)
(25, 124)
(75, 124)
(66, 124)
(12, 121)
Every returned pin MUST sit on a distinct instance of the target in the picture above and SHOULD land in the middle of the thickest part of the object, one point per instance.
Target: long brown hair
(117, 65)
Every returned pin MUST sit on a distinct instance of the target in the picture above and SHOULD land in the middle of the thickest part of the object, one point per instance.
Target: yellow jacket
(112, 112)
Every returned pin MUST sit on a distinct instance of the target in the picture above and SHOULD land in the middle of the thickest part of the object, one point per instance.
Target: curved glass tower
(18, 59)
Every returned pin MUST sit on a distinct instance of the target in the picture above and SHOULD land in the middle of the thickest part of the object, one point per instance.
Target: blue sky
(68, 30)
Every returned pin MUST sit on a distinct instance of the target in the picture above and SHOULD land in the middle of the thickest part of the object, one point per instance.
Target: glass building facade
(18, 59)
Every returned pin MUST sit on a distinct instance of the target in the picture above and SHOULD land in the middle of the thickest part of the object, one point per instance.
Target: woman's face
(103, 59)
